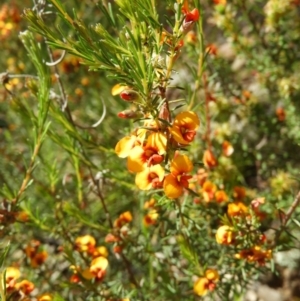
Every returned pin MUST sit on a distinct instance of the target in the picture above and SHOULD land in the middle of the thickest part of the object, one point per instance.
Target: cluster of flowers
(245, 237)
(35, 255)
(87, 245)
(147, 148)
(22, 289)
(10, 18)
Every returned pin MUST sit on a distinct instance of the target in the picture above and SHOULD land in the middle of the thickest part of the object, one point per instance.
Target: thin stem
(207, 115)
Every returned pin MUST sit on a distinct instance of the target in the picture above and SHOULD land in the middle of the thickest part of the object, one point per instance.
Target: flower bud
(129, 95)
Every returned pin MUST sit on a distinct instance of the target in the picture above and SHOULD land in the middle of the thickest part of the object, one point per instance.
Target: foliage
(200, 97)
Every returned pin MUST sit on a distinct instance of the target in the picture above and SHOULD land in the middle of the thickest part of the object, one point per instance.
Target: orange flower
(123, 219)
(280, 113)
(224, 235)
(98, 267)
(184, 127)
(25, 286)
(255, 255)
(190, 18)
(206, 283)
(177, 180)
(237, 209)
(85, 243)
(201, 176)
(100, 251)
(111, 238)
(239, 193)
(211, 49)
(227, 149)
(150, 154)
(150, 218)
(221, 196)
(150, 204)
(209, 159)
(208, 190)
(151, 177)
(38, 259)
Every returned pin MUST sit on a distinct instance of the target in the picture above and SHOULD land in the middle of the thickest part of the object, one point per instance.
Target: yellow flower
(45, 297)
(224, 235)
(100, 251)
(177, 180)
(150, 154)
(98, 267)
(184, 127)
(221, 196)
(25, 286)
(151, 177)
(11, 275)
(124, 218)
(150, 218)
(237, 209)
(206, 283)
(85, 243)
(208, 191)
(255, 255)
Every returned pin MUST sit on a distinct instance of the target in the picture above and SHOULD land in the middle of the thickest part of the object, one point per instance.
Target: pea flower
(190, 17)
(209, 159)
(25, 286)
(150, 177)
(184, 127)
(177, 180)
(85, 243)
(255, 255)
(208, 191)
(98, 267)
(206, 283)
(224, 235)
(11, 275)
(237, 209)
(151, 153)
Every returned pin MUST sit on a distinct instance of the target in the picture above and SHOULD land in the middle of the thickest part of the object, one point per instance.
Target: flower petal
(181, 164)
(172, 187)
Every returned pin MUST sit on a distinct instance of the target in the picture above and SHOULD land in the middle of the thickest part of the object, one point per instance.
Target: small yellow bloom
(184, 127)
(11, 275)
(237, 209)
(151, 177)
(208, 191)
(224, 235)
(45, 297)
(98, 267)
(100, 251)
(221, 196)
(151, 153)
(150, 218)
(85, 243)
(206, 283)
